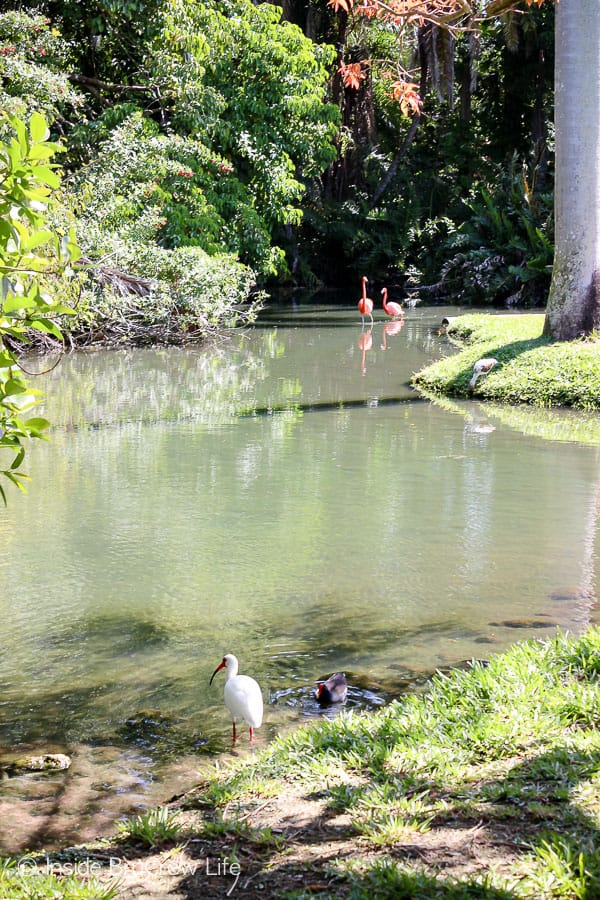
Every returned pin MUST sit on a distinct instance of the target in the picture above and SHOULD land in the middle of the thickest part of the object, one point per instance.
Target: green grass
(152, 828)
(513, 743)
(21, 881)
(532, 369)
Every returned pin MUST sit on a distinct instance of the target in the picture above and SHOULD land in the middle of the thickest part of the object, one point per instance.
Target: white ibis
(365, 304)
(392, 308)
(243, 697)
(482, 367)
(333, 690)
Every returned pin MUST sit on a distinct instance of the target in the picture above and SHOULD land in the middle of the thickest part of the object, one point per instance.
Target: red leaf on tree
(352, 75)
(346, 5)
(407, 94)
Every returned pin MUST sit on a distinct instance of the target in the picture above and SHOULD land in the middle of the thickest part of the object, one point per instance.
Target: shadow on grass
(530, 816)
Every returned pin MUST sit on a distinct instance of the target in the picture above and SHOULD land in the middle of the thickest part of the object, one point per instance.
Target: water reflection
(391, 329)
(190, 506)
(365, 343)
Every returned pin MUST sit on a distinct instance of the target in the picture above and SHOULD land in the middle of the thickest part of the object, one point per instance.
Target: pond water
(283, 495)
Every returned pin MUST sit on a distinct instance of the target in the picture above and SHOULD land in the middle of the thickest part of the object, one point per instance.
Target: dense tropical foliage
(304, 147)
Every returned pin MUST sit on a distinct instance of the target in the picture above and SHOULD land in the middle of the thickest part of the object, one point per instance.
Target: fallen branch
(123, 283)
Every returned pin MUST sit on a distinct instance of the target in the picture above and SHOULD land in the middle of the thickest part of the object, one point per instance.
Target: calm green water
(285, 496)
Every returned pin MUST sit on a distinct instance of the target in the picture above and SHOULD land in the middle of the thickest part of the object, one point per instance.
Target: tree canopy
(410, 138)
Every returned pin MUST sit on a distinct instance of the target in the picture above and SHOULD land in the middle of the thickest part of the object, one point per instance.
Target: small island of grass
(531, 367)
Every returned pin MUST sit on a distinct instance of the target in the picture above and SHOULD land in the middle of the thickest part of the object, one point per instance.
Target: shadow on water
(114, 634)
(371, 403)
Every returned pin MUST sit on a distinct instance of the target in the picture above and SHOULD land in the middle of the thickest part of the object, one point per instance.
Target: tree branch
(500, 7)
(384, 183)
(94, 85)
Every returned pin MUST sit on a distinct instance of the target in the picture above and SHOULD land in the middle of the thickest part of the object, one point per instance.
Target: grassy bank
(531, 369)
(487, 785)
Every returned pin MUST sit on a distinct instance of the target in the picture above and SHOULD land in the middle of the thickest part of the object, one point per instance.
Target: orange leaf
(346, 5)
(352, 75)
(407, 94)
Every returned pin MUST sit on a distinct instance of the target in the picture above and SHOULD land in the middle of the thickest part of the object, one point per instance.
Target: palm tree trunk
(574, 302)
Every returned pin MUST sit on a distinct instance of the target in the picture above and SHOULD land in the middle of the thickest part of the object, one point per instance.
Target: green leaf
(18, 459)
(38, 129)
(15, 302)
(47, 327)
(23, 143)
(13, 386)
(38, 423)
(46, 176)
(41, 151)
(6, 359)
(17, 478)
(36, 240)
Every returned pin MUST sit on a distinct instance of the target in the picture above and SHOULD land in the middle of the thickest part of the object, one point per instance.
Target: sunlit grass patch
(155, 827)
(388, 828)
(24, 880)
(386, 817)
(238, 830)
(233, 782)
(386, 878)
(561, 868)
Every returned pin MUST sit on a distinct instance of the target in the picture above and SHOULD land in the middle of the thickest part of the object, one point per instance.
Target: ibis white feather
(242, 695)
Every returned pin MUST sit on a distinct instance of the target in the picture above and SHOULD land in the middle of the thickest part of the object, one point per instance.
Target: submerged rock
(46, 762)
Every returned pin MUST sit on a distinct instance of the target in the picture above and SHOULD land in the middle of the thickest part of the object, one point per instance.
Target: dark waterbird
(334, 690)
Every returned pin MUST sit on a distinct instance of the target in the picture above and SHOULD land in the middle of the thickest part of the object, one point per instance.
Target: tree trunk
(574, 302)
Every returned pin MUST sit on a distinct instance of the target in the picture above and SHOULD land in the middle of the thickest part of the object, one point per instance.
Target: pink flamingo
(392, 308)
(365, 304)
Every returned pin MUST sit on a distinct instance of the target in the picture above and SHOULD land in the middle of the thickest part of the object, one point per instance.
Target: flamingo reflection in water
(365, 342)
(391, 328)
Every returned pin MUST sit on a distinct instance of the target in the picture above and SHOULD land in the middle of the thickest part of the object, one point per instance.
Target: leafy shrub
(33, 258)
(502, 253)
(34, 60)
